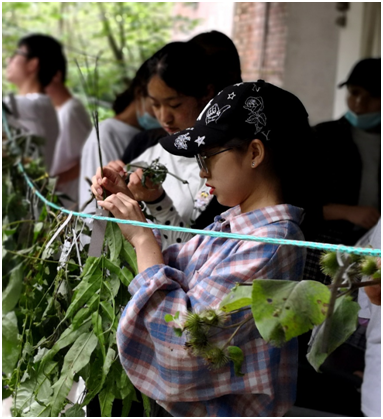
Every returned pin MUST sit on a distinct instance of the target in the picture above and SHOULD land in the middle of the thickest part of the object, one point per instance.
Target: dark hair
(49, 53)
(182, 66)
(291, 162)
(136, 88)
(224, 61)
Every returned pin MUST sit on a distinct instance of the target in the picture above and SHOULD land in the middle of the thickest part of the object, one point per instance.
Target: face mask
(364, 122)
(147, 121)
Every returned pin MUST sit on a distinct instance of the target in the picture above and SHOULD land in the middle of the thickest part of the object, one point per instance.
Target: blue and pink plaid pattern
(198, 274)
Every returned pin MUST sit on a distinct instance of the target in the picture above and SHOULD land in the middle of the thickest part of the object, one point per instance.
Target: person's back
(31, 69)
(75, 126)
(35, 112)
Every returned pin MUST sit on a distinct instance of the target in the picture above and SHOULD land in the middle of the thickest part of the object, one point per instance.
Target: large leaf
(114, 239)
(128, 254)
(11, 294)
(67, 338)
(286, 309)
(91, 282)
(343, 323)
(94, 385)
(11, 343)
(106, 398)
(76, 411)
(77, 358)
(38, 382)
(238, 297)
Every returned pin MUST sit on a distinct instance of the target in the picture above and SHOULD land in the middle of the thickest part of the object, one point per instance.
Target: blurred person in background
(75, 127)
(31, 68)
(133, 113)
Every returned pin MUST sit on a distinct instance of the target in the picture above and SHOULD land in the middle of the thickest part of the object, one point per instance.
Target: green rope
(311, 245)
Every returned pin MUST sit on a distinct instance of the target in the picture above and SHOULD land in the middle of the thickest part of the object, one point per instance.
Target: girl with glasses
(181, 82)
(251, 163)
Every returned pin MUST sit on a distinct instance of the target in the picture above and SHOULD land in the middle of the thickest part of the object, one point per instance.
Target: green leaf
(106, 398)
(77, 358)
(38, 382)
(85, 312)
(286, 309)
(128, 255)
(95, 385)
(108, 310)
(67, 338)
(98, 331)
(168, 318)
(113, 238)
(76, 411)
(12, 292)
(238, 297)
(343, 323)
(90, 284)
(126, 276)
(11, 343)
(236, 355)
(147, 406)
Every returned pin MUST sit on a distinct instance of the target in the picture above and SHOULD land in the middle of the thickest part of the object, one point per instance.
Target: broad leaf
(238, 297)
(236, 355)
(94, 386)
(77, 358)
(76, 411)
(11, 343)
(106, 399)
(12, 292)
(114, 239)
(128, 254)
(283, 309)
(26, 394)
(67, 338)
(343, 323)
(91, 283)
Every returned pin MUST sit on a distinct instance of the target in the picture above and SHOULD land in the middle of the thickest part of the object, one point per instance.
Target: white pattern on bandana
(255, 106)
(214, 113)
(232, 95)
(180, 141)
(200, 141)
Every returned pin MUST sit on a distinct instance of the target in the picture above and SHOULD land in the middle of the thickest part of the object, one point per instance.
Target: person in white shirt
(75, 127)
(369, 299)
(30, 68)
(133, 113)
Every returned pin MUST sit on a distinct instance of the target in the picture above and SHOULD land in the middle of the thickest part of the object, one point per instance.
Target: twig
(334, 291)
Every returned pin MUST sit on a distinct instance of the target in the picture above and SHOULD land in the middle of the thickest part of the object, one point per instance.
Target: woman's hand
(148, 194)
(112, 182)
(362, 216)
(126, 208)
(119, 167)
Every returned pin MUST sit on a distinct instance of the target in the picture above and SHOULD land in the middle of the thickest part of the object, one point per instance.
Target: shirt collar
(245, 223)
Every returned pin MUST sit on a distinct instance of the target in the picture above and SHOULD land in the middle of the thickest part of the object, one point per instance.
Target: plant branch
(334, 290)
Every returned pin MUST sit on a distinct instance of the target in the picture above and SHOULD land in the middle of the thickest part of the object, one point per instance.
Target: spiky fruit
(216, 357)
(369, 266)
(329, 264)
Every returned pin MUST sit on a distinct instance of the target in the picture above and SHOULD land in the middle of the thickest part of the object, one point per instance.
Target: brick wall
(260, 33)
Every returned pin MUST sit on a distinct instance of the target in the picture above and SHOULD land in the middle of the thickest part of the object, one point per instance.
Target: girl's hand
(126, 208)
(119, 167)
(148, 194)
(112, 182)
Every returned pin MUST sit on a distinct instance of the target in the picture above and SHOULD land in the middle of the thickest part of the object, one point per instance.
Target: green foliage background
(125, 34)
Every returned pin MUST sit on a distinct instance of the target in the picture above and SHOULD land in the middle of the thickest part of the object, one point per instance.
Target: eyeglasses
(201, 159)
(19, 52)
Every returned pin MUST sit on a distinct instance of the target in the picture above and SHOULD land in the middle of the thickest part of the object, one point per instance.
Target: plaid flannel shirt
(199, 274)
